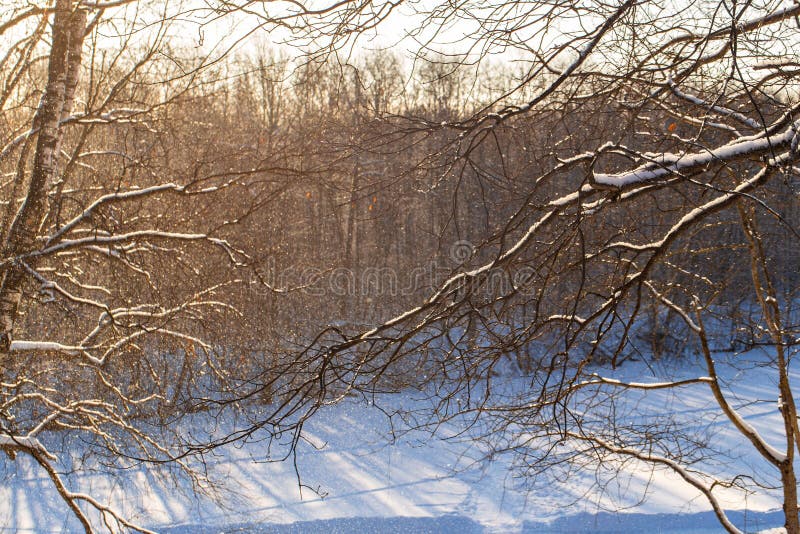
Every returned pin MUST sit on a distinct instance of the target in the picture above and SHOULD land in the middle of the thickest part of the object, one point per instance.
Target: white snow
(422, 484)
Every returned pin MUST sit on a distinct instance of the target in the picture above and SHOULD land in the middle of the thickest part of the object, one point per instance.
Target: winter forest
(399, 266)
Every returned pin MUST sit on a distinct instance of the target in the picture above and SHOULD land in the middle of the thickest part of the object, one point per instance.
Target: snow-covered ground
(416, 484)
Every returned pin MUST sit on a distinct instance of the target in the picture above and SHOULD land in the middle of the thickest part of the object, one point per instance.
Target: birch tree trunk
(69, 26)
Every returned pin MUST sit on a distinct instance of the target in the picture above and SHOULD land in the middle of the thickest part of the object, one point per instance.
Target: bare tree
(125, 212)
(653, 128)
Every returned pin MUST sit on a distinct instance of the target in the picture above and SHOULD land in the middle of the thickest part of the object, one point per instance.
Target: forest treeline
(355, 195)
(348, 193)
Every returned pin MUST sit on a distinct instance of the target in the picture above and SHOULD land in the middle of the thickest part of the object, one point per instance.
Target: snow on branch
(52, 286)
(72, 498)
(767, 451)
(459, 280)
(554, 208)
(692, 478)
(109, 198)
(716, 108)
(11, 442)
(111, 116)
(670, 164)
(52, 346)
(596, 379)
(674, 307)
(128, 238)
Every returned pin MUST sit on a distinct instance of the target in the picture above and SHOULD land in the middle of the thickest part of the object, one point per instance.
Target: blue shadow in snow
(608, 523)
(448, 524)
(600, 523)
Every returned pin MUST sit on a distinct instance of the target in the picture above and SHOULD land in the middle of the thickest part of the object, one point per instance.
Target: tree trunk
(62, 78)
(768, 300)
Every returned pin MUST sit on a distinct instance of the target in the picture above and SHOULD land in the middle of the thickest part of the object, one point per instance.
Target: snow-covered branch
(126, 238)
(694, 479)
(714, 107)
(666, 165)
(111, 197)
(596, 379)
